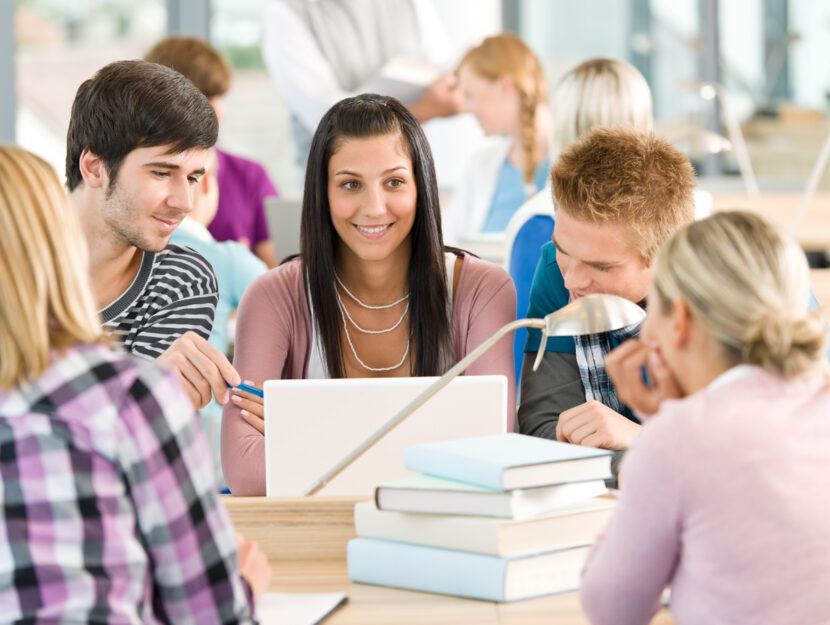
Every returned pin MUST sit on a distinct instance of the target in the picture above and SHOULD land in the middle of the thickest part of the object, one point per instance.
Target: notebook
(283, 218)
(310, 425)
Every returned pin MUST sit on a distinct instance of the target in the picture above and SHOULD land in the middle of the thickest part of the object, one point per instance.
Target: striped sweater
(174, 291)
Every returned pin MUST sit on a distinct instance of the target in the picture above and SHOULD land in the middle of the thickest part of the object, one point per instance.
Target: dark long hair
(363, 116)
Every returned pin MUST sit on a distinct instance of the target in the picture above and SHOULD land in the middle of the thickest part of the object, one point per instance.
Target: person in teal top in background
(503, 85)
(235, 267)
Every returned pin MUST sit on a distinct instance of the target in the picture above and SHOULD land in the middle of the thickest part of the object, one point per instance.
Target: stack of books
(500, 518)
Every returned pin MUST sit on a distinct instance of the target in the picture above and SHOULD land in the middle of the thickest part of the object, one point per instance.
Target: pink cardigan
(726, 497)
(273, 341)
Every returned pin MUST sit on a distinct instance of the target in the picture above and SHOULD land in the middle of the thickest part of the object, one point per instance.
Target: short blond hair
(598, 92)
(629, 177)
(46, 301)
(749, 286)
(507, 55)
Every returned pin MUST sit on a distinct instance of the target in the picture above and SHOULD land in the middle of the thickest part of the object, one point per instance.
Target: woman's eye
(350, 185)
(395, 183)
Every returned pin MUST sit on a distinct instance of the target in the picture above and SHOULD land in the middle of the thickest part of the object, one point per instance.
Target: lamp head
(591, 314)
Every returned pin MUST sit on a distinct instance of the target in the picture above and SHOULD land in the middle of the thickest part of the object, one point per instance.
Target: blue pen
(247, 387)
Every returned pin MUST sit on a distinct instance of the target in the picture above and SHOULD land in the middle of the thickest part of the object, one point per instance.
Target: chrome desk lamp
(591, 314)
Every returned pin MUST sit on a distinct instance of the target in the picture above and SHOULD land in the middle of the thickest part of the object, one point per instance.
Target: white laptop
(283, 217)
(310, 425)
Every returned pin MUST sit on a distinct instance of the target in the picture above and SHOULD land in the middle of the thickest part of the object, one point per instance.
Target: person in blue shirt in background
(235, 267)
(503, 85)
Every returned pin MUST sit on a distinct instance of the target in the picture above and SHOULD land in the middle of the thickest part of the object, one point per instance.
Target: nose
(374, 204)
(181, 195)
(576, 276)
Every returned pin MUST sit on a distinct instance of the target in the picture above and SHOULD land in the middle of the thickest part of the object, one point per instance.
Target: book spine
(445, 531)
(448, 466)
(426, 569)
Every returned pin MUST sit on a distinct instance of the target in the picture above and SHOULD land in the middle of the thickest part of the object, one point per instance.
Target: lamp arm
(812, 185)
(416, 403)
(733, 127)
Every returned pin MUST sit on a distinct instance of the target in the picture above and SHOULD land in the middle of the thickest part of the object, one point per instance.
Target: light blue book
(508, 461)
(464, 574)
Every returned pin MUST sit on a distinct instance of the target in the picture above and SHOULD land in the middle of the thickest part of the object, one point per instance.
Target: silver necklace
(354, 351)
(354, 297)
(345, 313)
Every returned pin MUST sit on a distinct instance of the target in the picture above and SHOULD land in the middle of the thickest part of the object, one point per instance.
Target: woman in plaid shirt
(108, 512)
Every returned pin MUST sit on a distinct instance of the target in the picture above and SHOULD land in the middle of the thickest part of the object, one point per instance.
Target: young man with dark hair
(619, 193)
(135, 152)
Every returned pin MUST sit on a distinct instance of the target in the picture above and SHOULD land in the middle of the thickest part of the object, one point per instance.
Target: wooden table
(820, 281)
(780, 209)
(305, 540)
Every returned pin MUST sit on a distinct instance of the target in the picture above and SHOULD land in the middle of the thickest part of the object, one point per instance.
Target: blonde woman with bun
(108, 511)
(503, 85)
(725, 490)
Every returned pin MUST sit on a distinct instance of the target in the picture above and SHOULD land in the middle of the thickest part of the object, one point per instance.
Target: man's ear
(93, 170)
(681, 323)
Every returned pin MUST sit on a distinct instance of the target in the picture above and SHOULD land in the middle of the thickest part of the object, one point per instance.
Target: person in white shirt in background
(504, 86)
(235, 267)
(319, 52)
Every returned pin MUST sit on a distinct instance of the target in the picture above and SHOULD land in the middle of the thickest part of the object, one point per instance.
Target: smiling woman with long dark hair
(374, 292)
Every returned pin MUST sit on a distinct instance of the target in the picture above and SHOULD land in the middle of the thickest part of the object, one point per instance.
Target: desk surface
(780, 209)
(305, 541)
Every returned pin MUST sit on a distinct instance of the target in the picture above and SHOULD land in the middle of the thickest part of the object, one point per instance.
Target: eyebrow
(346, 172)
(172, 166)
(593, 263)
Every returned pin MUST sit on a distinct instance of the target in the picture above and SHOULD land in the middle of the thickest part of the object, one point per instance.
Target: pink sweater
(273, 341)
(726, 497)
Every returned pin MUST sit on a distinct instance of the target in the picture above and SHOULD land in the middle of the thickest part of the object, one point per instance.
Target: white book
(461, 573)
(508, 461)
(424, 493)
(571, 526)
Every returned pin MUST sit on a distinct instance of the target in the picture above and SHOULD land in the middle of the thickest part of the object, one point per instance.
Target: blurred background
(715, 68)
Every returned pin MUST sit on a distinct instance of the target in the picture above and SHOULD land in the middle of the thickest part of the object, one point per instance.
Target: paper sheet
(277, 608)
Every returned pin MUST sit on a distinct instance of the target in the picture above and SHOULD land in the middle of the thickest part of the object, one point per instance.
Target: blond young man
(619, 193)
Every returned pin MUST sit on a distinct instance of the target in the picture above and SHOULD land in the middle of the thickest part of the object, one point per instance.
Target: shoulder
(481, 282)
(548, 282)
(482, 273)
(282, 285)
(115, 385)
(491, 152)
(181, 261)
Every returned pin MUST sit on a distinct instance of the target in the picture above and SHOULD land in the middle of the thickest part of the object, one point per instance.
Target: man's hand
(201, 367)
(594, 424)
(441, 99)
(253, 565)
(625, 367)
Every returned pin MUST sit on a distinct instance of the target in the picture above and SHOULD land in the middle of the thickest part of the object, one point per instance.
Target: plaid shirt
(108, 512)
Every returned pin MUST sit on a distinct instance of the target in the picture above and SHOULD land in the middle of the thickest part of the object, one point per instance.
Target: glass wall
(770, 63)
(60, 44)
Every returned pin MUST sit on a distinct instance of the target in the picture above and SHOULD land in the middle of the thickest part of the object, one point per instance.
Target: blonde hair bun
(778, 341)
